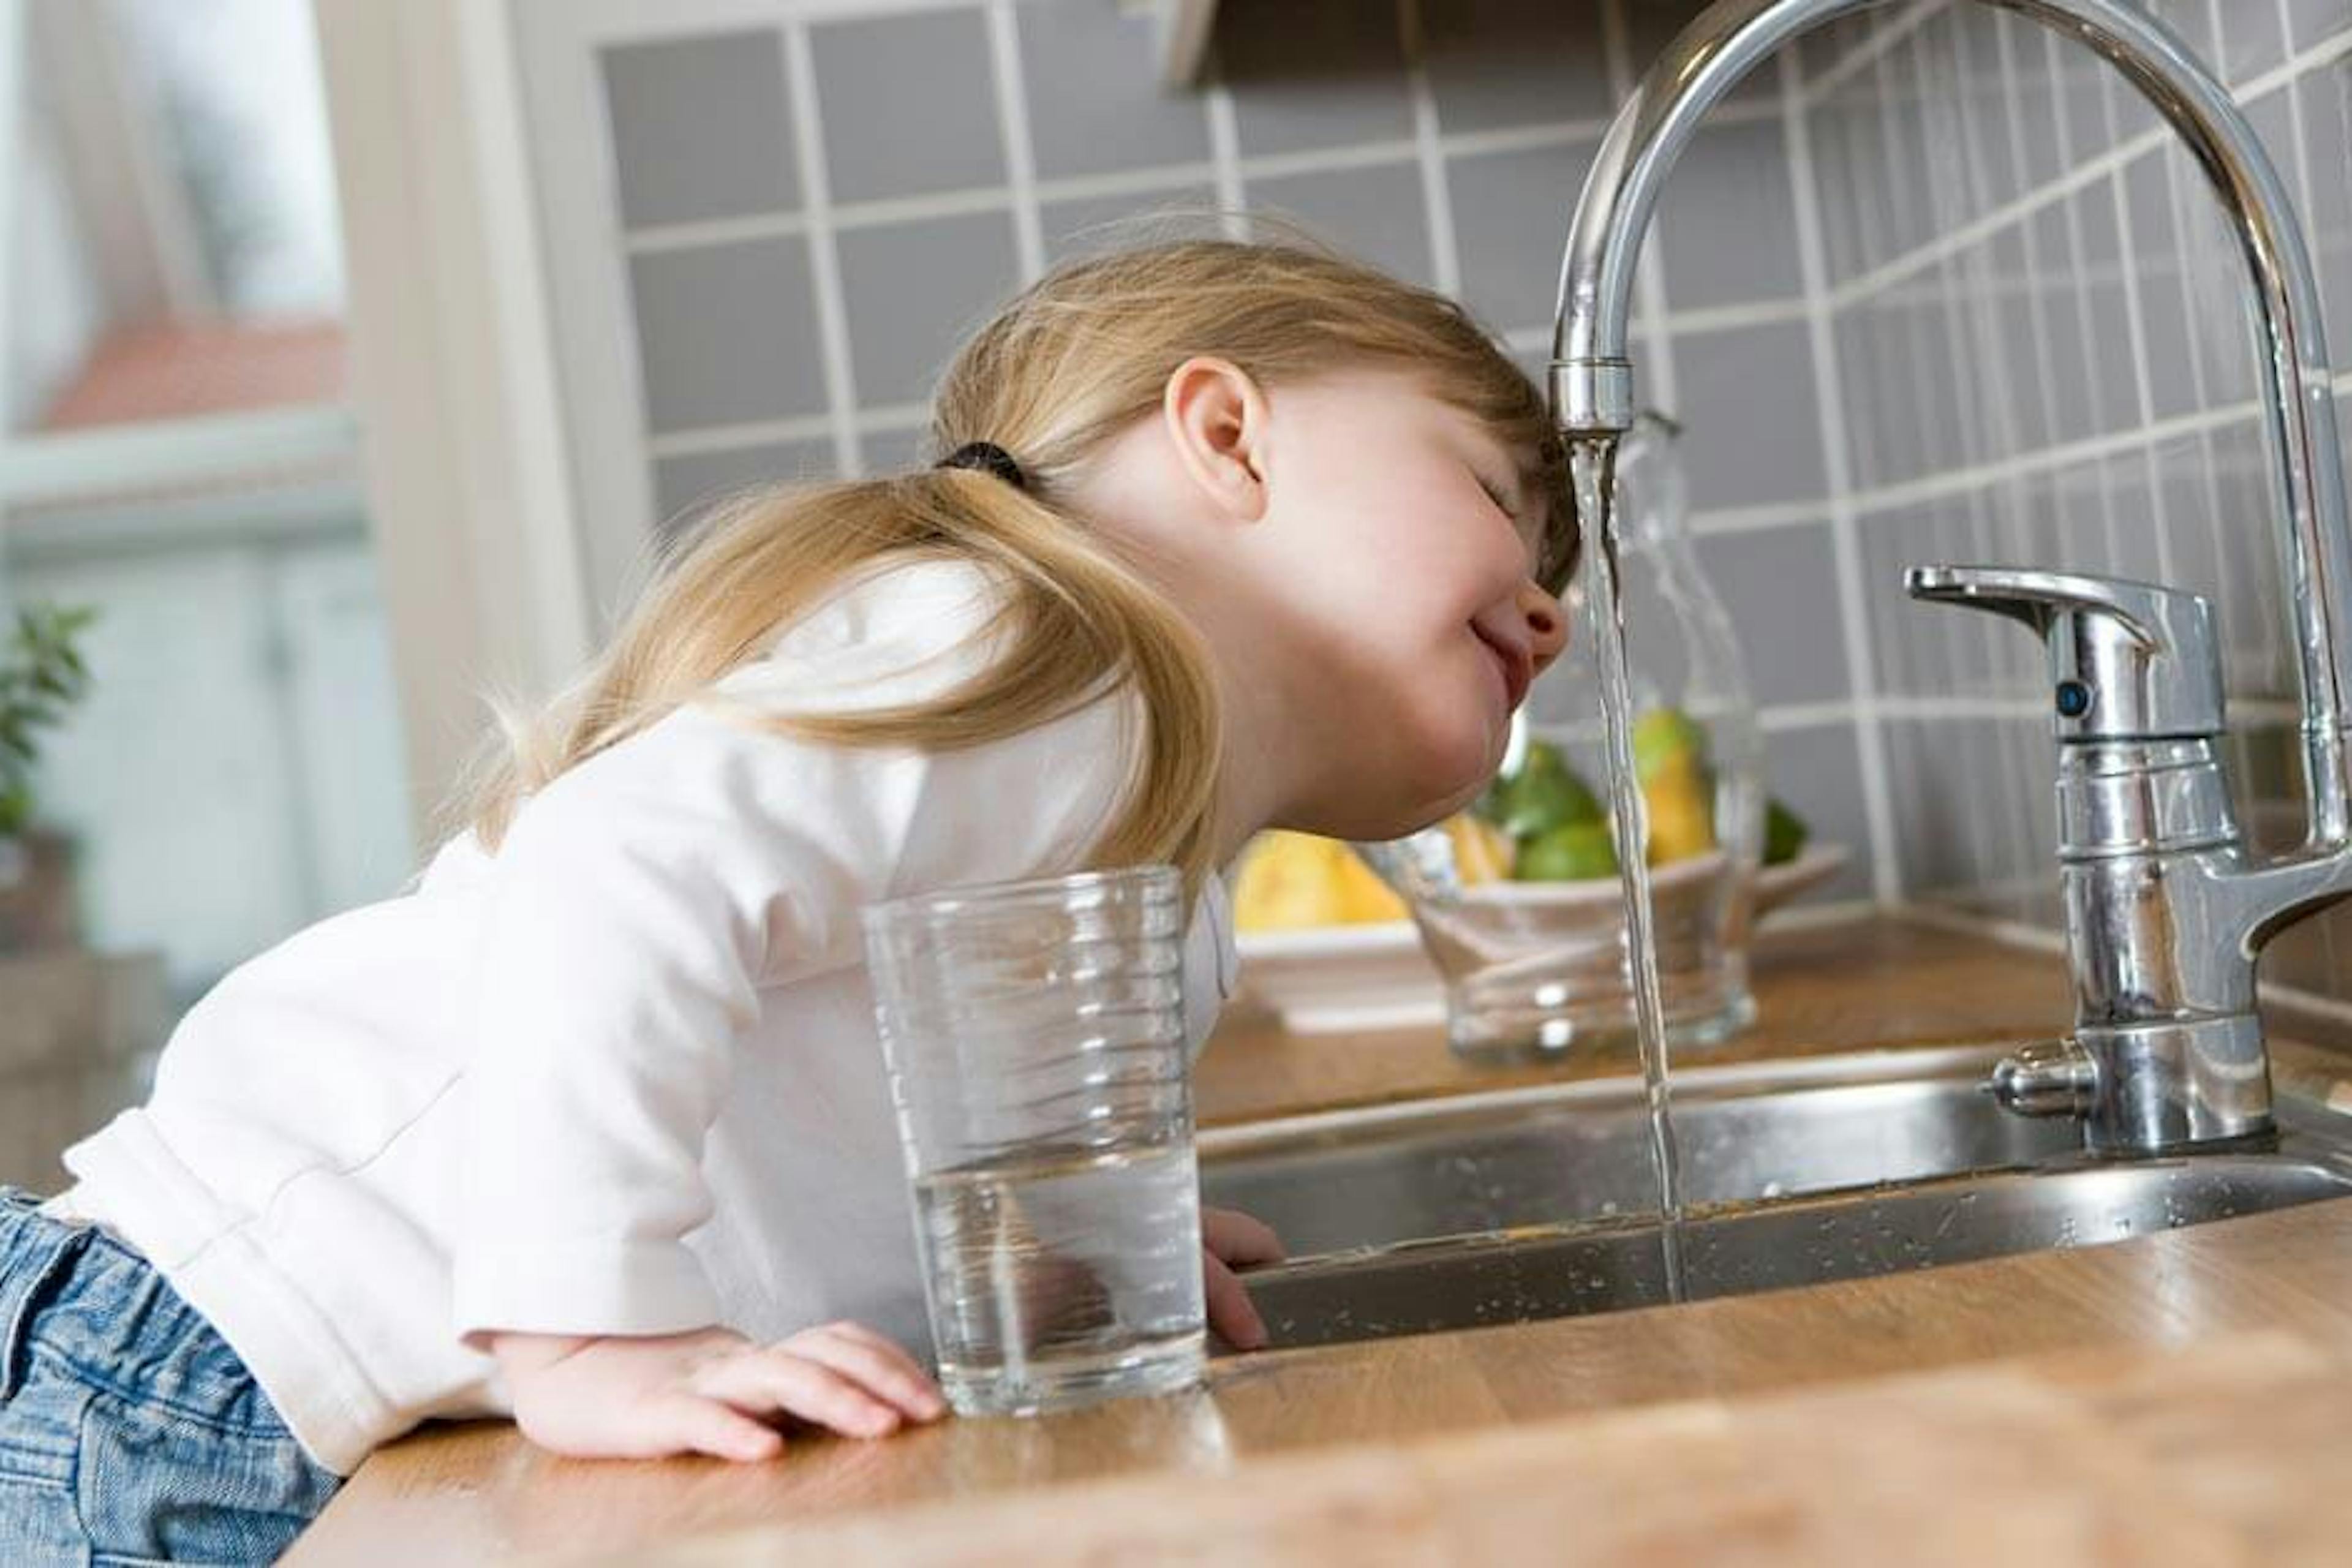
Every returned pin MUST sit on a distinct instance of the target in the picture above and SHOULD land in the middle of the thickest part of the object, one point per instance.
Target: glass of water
(1034, 1032)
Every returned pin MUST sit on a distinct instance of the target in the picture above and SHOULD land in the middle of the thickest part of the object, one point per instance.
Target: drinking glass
(1035, 1035)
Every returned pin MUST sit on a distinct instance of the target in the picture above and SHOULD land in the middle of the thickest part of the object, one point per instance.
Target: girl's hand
(1228, 1236)
(709, 1391)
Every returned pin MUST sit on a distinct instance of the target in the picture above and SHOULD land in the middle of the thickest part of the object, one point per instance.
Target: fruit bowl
(1342, 978)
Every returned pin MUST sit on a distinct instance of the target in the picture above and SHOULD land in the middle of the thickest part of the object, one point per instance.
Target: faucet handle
(2128, 661)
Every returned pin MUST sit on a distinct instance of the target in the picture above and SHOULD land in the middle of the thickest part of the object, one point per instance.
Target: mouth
(1516, 669)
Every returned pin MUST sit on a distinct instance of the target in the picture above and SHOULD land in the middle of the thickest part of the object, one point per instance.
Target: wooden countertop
(2181, 1397)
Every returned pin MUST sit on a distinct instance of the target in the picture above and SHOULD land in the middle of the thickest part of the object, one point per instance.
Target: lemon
(1678, 799)
(1482, 852)
(1664, 738)
(1363, 897)
(1293, 882)
(1285, 883)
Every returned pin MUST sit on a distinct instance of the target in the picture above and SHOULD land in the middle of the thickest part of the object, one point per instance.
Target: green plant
(41, 676)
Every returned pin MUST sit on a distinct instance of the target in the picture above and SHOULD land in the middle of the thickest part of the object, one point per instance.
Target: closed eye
(1527, 535)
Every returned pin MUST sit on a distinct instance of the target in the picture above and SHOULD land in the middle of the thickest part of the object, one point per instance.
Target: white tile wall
(2042, 357)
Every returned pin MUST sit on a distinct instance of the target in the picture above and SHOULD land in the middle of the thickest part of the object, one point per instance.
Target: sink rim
(2294, 1151)
(2312, 1132)
(1701, 1083)
(1304, 1301)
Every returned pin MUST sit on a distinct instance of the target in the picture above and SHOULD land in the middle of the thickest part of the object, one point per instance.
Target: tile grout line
(1947, 632)
(2050, 941)
(1713, 521)
(2036, 311)
(709, 439)
(1959, 633)
(1703, 318)
(2045, 376)
(2070, 216)
(1845, 546)
(651, 237)
(1953, 482)
(2143, 374)
(1224, 148)
(2226, 569)
(1444, 254)
(2115, 158)
(891, 416)
(1979, 333)
(1995, 705)
(2041, 937)
(1013, 125)
(1942, 116)
(1854, 60)
(1145, 181)
(887, 417)
(1778, 718)
(825, 255)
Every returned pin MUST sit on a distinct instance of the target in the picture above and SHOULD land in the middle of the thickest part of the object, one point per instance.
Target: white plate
(1331, 978)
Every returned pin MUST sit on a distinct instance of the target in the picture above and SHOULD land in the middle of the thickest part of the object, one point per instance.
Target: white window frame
(506, 463)
(455, 379)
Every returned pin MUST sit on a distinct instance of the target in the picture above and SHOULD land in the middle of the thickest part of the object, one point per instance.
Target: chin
(1458, 762)
(1427, 797)
(1428, 764)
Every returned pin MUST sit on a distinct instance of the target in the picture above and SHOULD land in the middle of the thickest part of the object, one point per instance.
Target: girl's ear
(1220, 424)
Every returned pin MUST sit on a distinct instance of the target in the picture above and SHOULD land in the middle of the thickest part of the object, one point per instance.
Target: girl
(591, 1127)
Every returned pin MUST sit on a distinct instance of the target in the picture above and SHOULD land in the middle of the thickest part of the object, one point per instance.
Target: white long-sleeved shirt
(619, 1078)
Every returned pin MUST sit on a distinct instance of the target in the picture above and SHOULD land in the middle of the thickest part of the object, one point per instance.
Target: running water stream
(1592, 467)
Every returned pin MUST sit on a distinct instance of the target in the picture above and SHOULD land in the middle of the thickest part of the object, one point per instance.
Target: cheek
(1453, 724)
(1429, 721)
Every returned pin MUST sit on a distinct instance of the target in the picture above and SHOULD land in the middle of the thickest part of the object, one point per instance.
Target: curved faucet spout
(1592, 389)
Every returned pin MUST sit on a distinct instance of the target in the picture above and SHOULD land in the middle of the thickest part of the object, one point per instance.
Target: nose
(1547, 624)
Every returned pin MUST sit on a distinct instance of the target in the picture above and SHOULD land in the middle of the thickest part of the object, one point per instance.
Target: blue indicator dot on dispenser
(2073, 698)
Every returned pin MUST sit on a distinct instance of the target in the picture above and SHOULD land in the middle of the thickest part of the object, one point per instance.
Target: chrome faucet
(2166, 910)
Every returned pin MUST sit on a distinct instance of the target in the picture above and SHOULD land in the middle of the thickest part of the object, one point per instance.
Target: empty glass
(1034, 1032)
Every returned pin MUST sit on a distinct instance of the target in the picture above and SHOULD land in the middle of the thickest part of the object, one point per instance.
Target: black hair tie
(989, 455)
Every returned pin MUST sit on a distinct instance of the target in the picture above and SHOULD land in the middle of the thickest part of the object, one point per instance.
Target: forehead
(1411, 393)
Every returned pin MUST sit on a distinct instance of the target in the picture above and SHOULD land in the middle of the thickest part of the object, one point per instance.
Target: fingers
(759, 1382)
(843, 1376)
(873, 1364)
(677, 1422)
(1239, 1239)
(688, 1424)
(1231, 1312)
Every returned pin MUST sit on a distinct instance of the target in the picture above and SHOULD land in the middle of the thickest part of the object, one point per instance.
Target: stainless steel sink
(1373, 1178)
(1609, 1266)
(1530, 1205)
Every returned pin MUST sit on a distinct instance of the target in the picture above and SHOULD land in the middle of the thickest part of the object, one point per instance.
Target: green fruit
(1663, 736)
(1575, 852)
(1784, 834)
(1544, 795)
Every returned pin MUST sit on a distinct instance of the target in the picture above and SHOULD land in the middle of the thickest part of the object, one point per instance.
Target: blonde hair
(1069, 364)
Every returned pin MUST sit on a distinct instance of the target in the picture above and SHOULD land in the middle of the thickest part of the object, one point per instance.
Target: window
(178, 452)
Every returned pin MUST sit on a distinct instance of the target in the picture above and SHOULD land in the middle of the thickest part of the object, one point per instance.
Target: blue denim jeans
(130, 1432)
